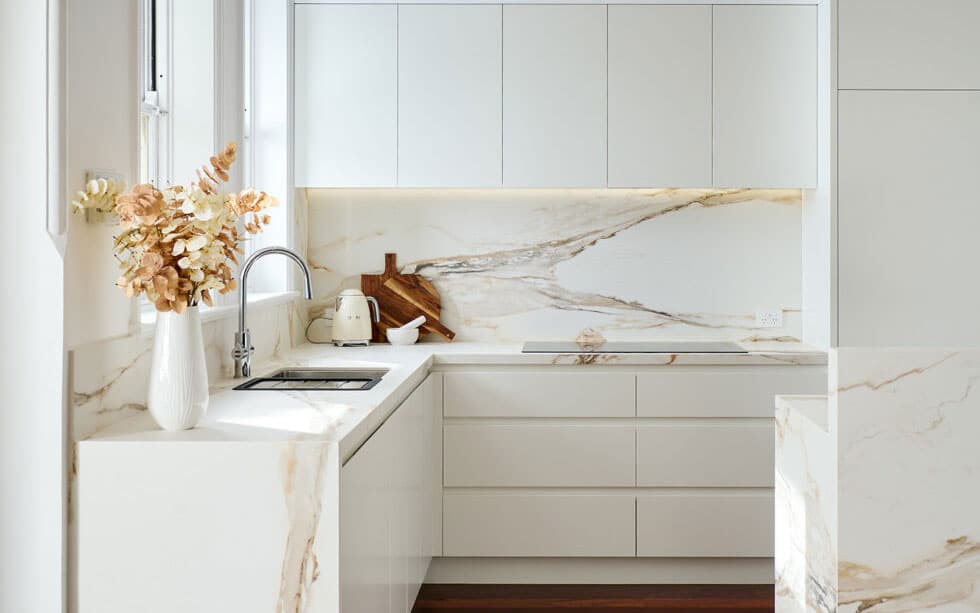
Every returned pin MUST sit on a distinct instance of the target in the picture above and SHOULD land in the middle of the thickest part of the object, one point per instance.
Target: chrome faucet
(243, 338)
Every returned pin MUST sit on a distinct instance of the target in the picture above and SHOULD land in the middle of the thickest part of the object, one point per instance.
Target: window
(201, 59)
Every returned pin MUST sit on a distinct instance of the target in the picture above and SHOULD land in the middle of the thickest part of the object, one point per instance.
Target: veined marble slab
(516, 265)
(909, 473)
(878, 510)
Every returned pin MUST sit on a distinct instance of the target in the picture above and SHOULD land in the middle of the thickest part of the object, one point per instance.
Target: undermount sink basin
(316, 379)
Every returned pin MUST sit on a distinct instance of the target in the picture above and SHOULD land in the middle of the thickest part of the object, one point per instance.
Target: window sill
(148, 316)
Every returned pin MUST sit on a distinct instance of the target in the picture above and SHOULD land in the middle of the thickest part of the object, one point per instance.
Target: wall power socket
(769, 319)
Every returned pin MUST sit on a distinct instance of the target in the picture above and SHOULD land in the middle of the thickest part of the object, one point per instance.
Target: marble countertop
(348, 418)
(812, 407)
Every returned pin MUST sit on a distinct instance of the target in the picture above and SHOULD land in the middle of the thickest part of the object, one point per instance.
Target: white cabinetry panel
(540, 394)
(723, 392)
(908, 218)
(765, 96)
(364, 536)
(705, 456)
(659, 96)
(517, 455)
(554, 95)
(449, 96)
(909, 44)
(346, 92)
(720, 525)
(514, 525)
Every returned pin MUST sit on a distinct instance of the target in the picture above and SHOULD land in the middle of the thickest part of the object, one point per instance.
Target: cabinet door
(346, 87)
(365, 500)
(554, 96)
(765, 96)
(659, 96)
(736, 455)
(909, 44)
(705, 525)
(908, 216)
(449, 96)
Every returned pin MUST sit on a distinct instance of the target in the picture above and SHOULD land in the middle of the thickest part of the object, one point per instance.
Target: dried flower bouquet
(178, 244)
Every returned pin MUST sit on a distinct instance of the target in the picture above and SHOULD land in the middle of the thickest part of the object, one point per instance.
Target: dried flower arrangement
(178, 244)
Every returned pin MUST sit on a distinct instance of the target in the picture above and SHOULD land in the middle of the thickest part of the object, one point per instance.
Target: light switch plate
(101, 217)
(769, 319)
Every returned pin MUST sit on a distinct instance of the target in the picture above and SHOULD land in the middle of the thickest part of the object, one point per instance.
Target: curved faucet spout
(242, 353)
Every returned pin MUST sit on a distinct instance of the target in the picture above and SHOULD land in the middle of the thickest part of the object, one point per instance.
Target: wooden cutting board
(401, 299)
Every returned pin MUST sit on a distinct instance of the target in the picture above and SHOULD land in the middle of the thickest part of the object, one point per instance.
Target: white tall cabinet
(659, 96)
(449, 95)
(908, 159)
(346, 95)
(765, 96)
(554, 96)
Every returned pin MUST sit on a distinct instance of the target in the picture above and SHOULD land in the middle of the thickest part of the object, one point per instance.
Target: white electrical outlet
(769, 319)
(101, 217)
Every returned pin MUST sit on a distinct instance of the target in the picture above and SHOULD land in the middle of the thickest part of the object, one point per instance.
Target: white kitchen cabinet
(554, 95)
(543, 455)
(346, 95)
(550, 525)
(705, 455)
(365, 500)
(387, 500)
(723, 392)
(659, 96)
(536, 393)
(908, 44)
(908, 213)
(705, 525)
(765, 96)
(449, 96)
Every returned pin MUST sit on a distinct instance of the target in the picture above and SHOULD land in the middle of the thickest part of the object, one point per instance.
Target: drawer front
(705, 456)
(724, 392)
(502, 525)
(502, 455)
(717, 526)
(540, 394)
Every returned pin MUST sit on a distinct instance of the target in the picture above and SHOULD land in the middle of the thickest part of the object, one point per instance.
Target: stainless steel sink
(313, 379)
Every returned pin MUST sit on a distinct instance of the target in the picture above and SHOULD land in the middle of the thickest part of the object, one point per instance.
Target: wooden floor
(594, 598)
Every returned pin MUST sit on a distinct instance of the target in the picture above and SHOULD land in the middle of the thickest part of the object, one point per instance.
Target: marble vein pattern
(806, 487)
(909, 464)
(516, 265)
(303, 468)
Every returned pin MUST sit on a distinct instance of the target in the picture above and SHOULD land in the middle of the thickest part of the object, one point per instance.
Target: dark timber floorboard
(594, 598)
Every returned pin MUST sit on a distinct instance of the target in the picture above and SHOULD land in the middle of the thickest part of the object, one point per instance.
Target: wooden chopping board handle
(391, 266)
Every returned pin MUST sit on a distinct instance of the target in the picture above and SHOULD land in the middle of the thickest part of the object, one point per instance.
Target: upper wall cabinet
(765, 96)
(909, 44)
(346, 95)
(659, 96)
(449, 96)
(554, 96)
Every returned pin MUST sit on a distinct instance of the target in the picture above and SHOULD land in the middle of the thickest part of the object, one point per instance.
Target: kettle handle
(377, 310)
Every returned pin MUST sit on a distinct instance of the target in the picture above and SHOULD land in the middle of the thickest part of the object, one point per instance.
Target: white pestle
(415, 323)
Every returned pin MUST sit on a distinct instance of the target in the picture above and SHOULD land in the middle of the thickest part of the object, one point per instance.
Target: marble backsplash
(108, 378)
(512, 265)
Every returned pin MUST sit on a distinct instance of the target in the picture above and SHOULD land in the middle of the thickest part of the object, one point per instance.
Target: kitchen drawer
(705, 455)
(711, 525)
(502, 455)
(538, 525)
(723, 392)
(540, 394)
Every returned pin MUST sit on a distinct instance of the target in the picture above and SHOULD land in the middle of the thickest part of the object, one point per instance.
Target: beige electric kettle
(352, 318)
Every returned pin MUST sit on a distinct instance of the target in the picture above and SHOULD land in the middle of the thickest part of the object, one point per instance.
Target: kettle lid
(351, 292)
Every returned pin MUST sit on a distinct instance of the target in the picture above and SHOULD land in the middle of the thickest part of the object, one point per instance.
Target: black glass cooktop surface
(633, 347)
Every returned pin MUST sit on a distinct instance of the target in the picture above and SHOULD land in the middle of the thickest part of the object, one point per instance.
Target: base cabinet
(388, 496)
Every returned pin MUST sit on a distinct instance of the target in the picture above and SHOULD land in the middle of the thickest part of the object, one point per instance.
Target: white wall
(102, 124)
(31, 324)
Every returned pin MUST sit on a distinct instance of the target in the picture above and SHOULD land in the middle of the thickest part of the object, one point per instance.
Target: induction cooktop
(633, 347)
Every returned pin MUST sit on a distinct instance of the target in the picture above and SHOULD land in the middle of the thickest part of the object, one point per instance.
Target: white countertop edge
(813, 407)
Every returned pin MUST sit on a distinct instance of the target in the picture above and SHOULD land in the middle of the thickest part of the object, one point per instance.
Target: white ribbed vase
(178, 391)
